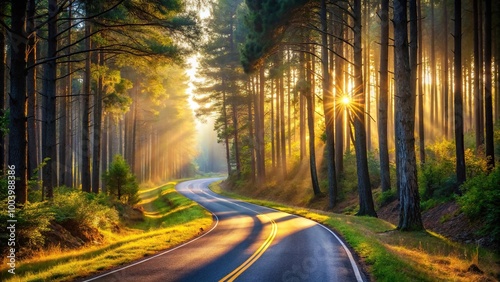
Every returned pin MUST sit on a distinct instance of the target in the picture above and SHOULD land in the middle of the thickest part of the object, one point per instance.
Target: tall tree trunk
(434, 102)
(62, 125)
(31, 88)
(339, 91)
(17, 100)
(274, 134)
(312, 150)
(366, 206)
(282, 140)
(302, 108)
(458, 99)
(236, 137)
(68, 171)
(310, 105)
(366, 73)
(226, 136)
(478, 69)
(105, 142)
(421, 116)
(251, 133)
(385, 177)
(133, 135)
(488, 100)
(49, 106)
(409, 217)
(96, 149)
(85, 168)
(445, 72)
(259, 128)
(328, 110)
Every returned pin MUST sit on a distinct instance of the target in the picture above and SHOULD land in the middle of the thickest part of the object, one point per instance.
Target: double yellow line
(255, 256)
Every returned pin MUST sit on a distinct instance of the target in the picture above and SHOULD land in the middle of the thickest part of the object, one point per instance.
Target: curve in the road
(245, 244)
(159, 254)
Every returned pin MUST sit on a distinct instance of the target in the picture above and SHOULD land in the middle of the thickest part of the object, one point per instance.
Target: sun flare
(346, 100)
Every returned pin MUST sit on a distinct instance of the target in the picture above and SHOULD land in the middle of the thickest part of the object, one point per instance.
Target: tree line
(383, 76)
(82, 81)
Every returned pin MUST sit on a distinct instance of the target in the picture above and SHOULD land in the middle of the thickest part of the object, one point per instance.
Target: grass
(170, 219)
(390, 255)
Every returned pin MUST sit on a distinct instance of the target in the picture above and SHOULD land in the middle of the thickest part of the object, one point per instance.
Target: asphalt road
(246, 243)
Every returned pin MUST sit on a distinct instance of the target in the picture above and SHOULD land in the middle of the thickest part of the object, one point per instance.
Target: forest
(310, 81)
(315, 103)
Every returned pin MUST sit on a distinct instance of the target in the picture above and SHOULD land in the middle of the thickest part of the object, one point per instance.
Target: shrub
(121, 182)
(480, 199)
(32, 220)
(374, 169)
(437, 177)
(386, 197)
(86, 209)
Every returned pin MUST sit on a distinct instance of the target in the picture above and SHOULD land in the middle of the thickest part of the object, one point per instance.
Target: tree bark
(49, 141)
(282, 140)
(85, 168)
(458, 98)
(488, 99)
(445, 72)
(259, 128)
(366, 206)
(339, 92)
(302, 108)
(478, 69)
(434, 116)
(328, 110)
(251, 133)
(96, 150)
(236, 136)
(421, 117)
(32, 88)
(409, 217)
(68, 171)
(226, 136)
(385, 177)
(17, 100)
(312, 150)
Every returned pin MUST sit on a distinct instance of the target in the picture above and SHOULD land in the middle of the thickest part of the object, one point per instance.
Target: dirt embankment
(445, 219)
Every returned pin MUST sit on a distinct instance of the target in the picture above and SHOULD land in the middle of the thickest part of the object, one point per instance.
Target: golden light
(346, 100)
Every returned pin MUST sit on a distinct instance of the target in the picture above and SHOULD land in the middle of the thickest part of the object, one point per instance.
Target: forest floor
(445, 219)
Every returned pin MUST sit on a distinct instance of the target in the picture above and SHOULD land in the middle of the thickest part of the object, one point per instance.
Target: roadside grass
(391, 255)
(170, 219)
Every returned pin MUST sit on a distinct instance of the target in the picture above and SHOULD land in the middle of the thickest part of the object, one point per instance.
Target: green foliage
(32, 220)
(118, 101)
(267, 21)
(480, 199)
(386, 197)
(437, 176)
(120, 181)
(84, 209)
(349, 181)
(374, 169)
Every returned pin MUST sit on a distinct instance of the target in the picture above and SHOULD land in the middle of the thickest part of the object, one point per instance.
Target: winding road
(246, 243)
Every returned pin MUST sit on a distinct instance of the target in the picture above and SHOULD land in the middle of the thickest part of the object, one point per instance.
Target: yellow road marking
(255, 256)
